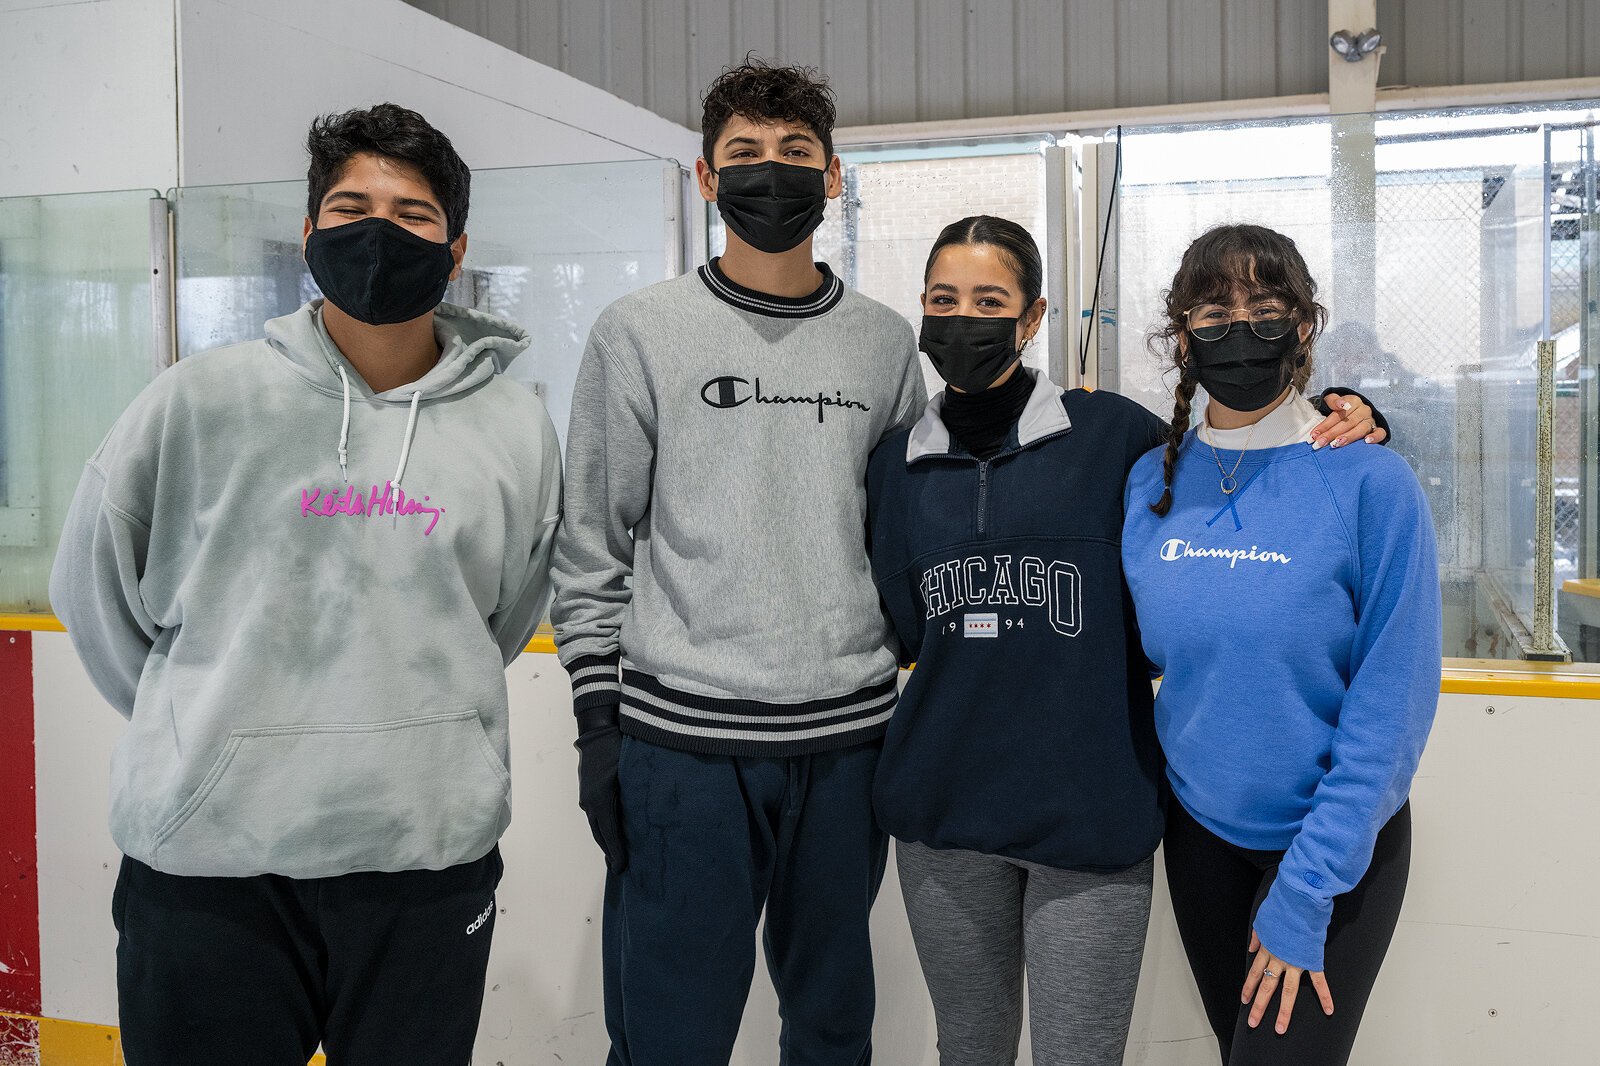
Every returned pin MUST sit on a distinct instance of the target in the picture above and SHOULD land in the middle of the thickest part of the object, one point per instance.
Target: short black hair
(760, 92)
(397, 133)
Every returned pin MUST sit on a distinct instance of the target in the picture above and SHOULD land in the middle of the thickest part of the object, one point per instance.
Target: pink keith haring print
(350, 503)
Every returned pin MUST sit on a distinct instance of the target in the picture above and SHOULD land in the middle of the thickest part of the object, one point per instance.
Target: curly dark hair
(761, 92)
(398, 133)
(1220, 260)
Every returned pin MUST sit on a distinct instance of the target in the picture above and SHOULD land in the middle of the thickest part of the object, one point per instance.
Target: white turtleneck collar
(1290, 422)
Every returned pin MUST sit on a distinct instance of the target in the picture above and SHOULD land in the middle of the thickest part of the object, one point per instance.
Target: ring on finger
(1268, 973)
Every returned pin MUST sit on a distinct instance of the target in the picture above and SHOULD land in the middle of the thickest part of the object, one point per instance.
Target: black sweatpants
(1216, 888)
(713, 841)
(381, 968)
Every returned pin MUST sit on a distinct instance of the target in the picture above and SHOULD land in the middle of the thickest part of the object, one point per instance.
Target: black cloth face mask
(1241, 371)
(377, 271)
(772, 206)
(969, 352)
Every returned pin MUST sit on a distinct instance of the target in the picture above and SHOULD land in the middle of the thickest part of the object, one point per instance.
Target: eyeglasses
(1211, 322)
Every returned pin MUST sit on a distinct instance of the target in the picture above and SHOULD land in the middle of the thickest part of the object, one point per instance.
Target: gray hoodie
(304, 595)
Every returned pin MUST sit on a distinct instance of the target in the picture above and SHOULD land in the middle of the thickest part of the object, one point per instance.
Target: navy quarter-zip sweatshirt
(1026, 729)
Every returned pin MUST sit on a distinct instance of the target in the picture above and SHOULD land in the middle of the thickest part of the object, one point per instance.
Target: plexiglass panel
(1428, 235)
(76, 345)
(547, 248)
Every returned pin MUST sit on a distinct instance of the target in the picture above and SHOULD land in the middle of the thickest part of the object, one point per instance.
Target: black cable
(1100, 266)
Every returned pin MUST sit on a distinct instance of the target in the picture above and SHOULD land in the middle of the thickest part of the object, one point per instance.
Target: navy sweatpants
(712, 840)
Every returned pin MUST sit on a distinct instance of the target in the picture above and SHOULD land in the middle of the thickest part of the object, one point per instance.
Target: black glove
(599, 744)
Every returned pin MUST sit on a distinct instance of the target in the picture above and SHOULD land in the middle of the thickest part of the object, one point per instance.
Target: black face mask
(1241, 371)
(969, 352)
(772, 206)
(377, 271)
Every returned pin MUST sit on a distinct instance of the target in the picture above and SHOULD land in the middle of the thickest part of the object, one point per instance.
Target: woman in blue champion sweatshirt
(1290, 597)
(1020, 773)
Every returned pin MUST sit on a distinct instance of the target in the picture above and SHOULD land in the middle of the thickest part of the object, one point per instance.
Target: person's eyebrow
(426, 205)
(750, 141)
(808, 138)
(1001, 289)
(942, 286)
(346, 194)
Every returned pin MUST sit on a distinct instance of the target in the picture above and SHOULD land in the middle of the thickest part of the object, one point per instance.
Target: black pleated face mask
(772, 206)
(377, 271)
(1242, 371)
(969, 351)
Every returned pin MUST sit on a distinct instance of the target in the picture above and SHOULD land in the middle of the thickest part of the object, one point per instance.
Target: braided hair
(1221, 260)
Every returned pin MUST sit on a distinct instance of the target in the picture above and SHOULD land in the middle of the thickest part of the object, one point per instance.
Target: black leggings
(1216, 888)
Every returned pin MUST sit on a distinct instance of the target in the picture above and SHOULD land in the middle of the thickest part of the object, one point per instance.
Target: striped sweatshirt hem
(707, 725)
(596, 681)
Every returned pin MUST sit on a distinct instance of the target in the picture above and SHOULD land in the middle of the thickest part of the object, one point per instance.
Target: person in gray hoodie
(299, 567)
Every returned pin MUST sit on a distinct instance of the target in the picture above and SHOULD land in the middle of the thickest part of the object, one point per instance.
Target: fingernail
(1282, 1029)
(1347, 405)
(1338, 442)
(1315, 445)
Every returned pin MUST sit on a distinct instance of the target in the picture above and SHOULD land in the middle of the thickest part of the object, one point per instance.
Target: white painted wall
(97, 95)
(256, 72)
(1496, 959)
(88, 96)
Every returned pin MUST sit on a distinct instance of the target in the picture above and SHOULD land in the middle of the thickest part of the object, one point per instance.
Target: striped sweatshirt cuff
(596, 680)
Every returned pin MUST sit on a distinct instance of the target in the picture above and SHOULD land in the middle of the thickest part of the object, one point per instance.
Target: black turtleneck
(981, 421)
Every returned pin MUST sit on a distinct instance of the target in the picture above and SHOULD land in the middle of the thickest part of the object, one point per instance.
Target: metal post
(672, 196)
(1588, 393)
(852, 225)
(1544, 606)
(162, 307)
(1058, 213)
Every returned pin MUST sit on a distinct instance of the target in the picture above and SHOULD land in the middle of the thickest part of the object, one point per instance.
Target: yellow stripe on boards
(543, 642)
(1472, 677)
(67, 1043)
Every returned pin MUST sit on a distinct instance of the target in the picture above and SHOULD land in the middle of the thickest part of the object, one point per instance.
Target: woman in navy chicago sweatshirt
(1291, 599)
(1020, 774)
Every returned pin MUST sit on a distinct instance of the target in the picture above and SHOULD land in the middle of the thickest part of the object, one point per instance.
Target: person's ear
(706, 180)
(923, 301)
(1304, 330)
(458, 252)
(1031, 320)
(305, 235)
(1183, 348)
(835, 178)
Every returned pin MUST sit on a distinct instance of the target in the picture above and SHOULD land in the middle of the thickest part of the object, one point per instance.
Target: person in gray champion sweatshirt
(299, 566)
(730, 661)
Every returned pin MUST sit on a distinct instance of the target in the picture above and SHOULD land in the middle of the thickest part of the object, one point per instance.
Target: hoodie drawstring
(405, 447)
(344, 433)
(344, 428)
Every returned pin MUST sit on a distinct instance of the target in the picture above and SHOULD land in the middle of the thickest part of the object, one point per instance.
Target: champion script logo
(728, 392)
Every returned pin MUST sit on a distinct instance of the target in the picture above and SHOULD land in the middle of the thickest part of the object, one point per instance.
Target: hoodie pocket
(323, 800)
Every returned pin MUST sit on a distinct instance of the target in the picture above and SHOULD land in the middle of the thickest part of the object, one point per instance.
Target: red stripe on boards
(19, 851)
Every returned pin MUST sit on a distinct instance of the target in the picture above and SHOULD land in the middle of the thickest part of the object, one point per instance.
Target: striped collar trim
(730, 292)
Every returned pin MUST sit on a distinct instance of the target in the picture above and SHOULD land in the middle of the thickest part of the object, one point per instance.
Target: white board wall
(1496, 959)
(254, 73)
(98, 95)
(88, 96)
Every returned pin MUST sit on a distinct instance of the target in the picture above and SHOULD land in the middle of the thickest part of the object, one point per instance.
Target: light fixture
(1355, 47)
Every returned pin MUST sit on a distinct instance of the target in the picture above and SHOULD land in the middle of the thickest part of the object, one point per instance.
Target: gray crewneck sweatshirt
(713, 549)
(304, 595)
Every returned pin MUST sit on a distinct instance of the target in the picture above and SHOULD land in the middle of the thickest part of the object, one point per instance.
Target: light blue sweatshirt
(1298, 628)
(304, 596)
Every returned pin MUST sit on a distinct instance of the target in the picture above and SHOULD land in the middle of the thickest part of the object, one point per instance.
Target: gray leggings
(978, 919)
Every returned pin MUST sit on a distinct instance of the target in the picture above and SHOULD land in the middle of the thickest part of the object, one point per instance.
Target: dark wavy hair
(397, 133)
(1014, 243)
(762, 93)
(1220, 260)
